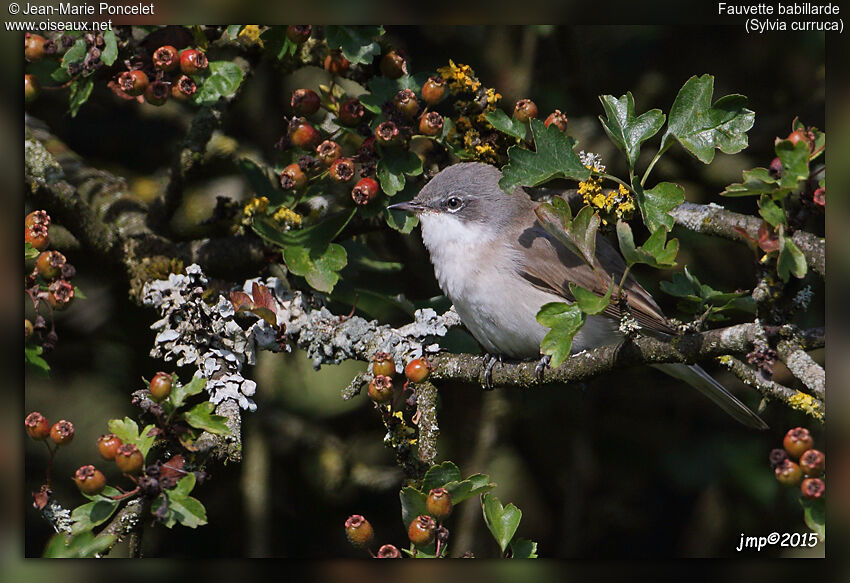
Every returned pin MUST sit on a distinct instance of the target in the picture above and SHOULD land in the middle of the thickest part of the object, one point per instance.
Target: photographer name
(102, 8)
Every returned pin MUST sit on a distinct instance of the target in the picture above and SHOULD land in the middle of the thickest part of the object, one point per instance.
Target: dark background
(632, 464)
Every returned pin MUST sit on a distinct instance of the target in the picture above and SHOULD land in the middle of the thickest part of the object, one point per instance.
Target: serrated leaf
(223, 80)
(506, 124)
(179, 393)
(565, 321)
(502, 521)
(791, 260)
(412, 504)
(771, 212)
(814, 514)
(393, 165)
(625, 129)
(795, 161)
(577, 234)
(589, 302)
(356, 42)
(75, 54)
(81, 89)
(401, 221)
(30, 252)
(474, 485)
(755, 182)
(179, 506)
(110, 48)
(86, 517)
(701, 127)
(523, 548)
(656, 203)
(697, 296)
(553, 158)
(201, 417)
(128, 431)
(32, 357)
(320, 269)
(439, 475)
(83, 545)
(656, 251)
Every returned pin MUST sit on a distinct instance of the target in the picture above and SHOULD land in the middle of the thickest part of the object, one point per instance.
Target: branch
(127, 522)
(712, 219)
(803, 366)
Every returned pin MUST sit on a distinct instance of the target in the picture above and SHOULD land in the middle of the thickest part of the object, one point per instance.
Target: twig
(803, 367)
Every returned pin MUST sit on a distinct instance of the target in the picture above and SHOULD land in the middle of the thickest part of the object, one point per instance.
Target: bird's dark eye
(454, 204)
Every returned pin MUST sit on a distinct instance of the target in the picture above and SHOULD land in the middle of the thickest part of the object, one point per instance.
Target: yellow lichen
(250, 35)
(459, 77)
(806, 404)
(287, 217)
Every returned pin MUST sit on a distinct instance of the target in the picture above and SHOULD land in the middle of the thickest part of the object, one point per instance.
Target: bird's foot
(492, 359)
(541, 367)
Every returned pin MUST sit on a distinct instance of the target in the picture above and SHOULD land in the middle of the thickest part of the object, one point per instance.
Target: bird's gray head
(469, 192)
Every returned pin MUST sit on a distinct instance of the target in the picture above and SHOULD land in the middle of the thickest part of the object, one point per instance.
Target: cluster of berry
(168, 72)
(799, 464)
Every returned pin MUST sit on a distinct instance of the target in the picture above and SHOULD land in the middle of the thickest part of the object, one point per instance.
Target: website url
(58, 25)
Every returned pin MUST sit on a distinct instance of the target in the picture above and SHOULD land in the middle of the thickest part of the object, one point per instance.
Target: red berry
(383, 364)
(49, 264)
(777, 456)
(328, 152)
(439, 503)
(90, 480)
(813, 462)
(776, 167)
(796, 441)
(133, 82)
(351, 112)
(298, 33)
(525, 109)
(107, 446)
(365, 190)
(166, 58)
(193, 61)
(59, 294)
(342, 169)
(788, 473)
(129, 459)
(160, 386)
(62, 432)
(358, 530)
(405, 101)
(417, 370)
(388, 552)
(292, 177)
(303, 135)
(32, 88)
(422, 530)
(557, 118)
(819, 196)
(800, 135)
(157, 93)
(37, 426)
(184, 88)
(335, 63)
(33, 46)
(813, 488)
(431, 124)
(393, 65)
(387, 133)
(381, 389)
(37, 236)
(305, 101)
(37, 218)
(434, 90)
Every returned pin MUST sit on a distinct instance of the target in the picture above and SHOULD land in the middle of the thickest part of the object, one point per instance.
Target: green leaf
(393, 165)
(83, 545)
(179, 393)
(522, 548)
(565, 321)
(315, 236)
(474, 485)
(382, 90)
(88, 516)
(701, 127)
(697, 296)
(412, 504)
(656, 251)
(506, 124)
(656, 203)
(320, 269)
(128, 431)
(179, 506)
(223, 81)
(75, 54)
(401, 221)
(276, 43)
(771, 212)
(755, 182)
(80, 91)
(554, 158)
(589, 302)
(439, 475)
(356, 42)
(32, 357)
(577, 234)
(814, 514)
(795, 161)
(502, 521)
(627, 131)
(30, 252)
(791, 260)
(110, 48)
(201, 417)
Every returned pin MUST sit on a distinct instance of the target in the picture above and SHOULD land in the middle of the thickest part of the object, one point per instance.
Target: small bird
(499, 266)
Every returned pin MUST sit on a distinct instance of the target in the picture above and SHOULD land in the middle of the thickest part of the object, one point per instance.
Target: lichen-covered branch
(803, 366)
(713, 219)
(127, 523)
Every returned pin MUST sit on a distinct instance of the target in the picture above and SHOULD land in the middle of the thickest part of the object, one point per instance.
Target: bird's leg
(541, 367)
(492, 359)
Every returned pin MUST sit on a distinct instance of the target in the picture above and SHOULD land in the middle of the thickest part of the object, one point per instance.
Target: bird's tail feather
(705, 383)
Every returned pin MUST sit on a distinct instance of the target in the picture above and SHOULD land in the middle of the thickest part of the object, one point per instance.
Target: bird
(499, 266)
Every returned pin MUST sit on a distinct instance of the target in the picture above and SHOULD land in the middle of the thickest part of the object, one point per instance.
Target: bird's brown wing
(549, 265)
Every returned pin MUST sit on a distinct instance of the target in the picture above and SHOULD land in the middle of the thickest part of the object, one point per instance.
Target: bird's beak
(409, 206)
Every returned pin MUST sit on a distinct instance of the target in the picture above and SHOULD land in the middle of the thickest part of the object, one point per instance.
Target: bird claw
(488, 371)
(541, 367)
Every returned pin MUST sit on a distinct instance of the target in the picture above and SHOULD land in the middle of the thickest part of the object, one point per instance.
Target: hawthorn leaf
(564, 321)
(502, 521)
(656, 203)
(791, 260)
(393, 165)
(577, 233)
(589, 302)
(439, 475)
(223, 80)
(626, 130)
(356, 42)
(505, 124)
(656, 251)
(201, 417)
(179, 392)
